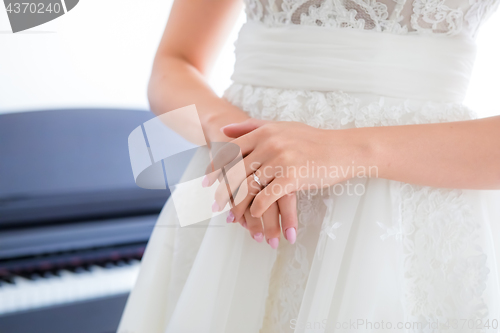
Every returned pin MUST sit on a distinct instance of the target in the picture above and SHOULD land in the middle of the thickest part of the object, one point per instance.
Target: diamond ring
(257, 180)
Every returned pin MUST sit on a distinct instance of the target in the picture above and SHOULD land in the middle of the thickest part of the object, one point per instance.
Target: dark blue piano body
(68, 202)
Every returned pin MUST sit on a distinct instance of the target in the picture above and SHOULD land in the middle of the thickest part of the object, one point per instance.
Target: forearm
(175, 83)
(462, 154)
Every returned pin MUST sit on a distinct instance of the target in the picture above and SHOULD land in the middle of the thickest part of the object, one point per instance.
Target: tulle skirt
(372, 255)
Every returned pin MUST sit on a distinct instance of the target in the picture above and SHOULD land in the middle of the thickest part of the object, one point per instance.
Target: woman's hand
(289, 156)
(225, 115)
(269, 227)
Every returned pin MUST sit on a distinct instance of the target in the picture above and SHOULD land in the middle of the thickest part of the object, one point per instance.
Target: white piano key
(68, 287)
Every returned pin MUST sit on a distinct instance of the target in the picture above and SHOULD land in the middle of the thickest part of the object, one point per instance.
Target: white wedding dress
(390, 260)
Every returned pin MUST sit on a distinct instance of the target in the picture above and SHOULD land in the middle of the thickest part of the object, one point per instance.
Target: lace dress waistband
(419, 67)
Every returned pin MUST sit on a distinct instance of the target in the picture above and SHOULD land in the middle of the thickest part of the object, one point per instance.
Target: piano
(73, 223)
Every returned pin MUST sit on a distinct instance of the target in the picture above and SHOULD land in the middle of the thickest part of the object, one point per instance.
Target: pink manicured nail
(291, 235)
(258, 237)
(230, 217)
(204, 183)
(222, 128)
(215, 207)
(244, 224)
(273, 242)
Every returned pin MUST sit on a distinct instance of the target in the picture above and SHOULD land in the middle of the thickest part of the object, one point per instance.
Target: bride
(410, 244)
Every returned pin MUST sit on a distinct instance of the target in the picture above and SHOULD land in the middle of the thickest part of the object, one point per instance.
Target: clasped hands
(285, 157)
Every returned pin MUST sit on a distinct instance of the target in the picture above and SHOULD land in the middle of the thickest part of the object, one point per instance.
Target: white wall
(484, 89)
(100, 54)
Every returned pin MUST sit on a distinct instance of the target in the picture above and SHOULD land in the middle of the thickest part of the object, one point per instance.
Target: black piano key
(121, 263)
(35, 277)
(7, 279)
(109, 264)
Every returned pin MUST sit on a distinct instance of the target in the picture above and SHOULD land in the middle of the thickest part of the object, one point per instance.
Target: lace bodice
(441, 17)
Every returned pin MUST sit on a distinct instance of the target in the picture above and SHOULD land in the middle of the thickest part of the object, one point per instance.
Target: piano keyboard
(20, 293)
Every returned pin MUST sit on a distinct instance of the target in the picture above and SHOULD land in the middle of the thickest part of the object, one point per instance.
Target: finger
(239, 129)
(234, 178)
(223, 154)
(248, 142)
(271, 193)
(243, 222)
(211, 177)
(287, 205)
(240, 208)
(271, 222)
(228, 157)
(266, 173)
(254, 226)
(230, 217)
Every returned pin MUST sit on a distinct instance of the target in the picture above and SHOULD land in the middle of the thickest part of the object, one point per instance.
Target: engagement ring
(257, 180)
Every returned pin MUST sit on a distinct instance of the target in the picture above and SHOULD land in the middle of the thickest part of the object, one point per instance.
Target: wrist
(366, 150)
(359, 149)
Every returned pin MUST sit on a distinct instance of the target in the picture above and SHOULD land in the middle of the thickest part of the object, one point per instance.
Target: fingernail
(291, 235)
(244, 224)
(230, 217)
(215, 207)
(273, 242)
(258, 237)
(222, 128)
(204, 183)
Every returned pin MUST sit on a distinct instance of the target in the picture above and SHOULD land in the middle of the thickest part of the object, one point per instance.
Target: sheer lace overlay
(337, 109)
(445, 266)
(396, 253)
(444, 17)
(444, 269)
